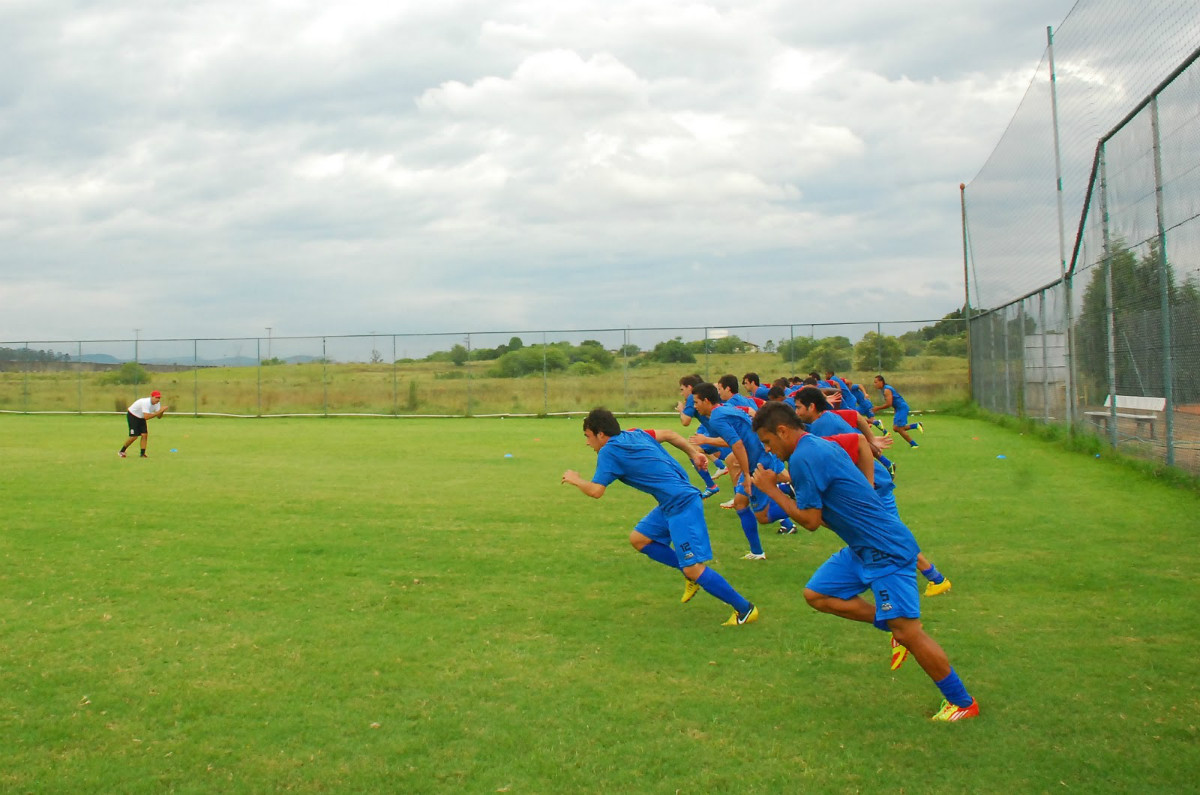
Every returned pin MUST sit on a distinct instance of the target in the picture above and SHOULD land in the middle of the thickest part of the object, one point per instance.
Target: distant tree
(672, 351)
(459, 354)
(628, 351)
(515, 344)
(795, 349)
(830, 355)
(878, 352)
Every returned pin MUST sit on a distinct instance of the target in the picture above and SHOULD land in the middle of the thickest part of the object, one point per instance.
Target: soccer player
(727, 388)
(895, 401)
(674, 533)
(863, 404)
(142, 410)
(880, 552)
(687, 412)
(754, 387)
(731, 427)
(812, 409)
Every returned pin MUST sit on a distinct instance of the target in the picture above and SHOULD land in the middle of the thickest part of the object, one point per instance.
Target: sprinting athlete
(880, 552)
(812, 409)
(730, 427)
(895, 401)
(687, 412)
(674, 533)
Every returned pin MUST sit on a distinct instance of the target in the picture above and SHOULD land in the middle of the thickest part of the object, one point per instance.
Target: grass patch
(393, 605)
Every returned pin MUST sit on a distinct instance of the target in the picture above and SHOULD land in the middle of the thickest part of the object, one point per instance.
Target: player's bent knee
(815, 600)
(638, 540)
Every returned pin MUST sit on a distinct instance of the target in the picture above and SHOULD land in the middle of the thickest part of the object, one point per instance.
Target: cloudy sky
(214, 168)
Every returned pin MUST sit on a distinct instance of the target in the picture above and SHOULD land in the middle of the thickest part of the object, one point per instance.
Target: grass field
(392, 605)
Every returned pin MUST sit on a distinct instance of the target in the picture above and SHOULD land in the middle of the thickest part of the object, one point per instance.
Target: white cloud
(471, 165)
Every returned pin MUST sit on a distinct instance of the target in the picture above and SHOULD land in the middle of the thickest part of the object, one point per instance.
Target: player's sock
(750, 528)
(932, 574)
(662, 553)
(719, 587)
(954, 690)
(883, 459)
(707, 478)
(775, 513)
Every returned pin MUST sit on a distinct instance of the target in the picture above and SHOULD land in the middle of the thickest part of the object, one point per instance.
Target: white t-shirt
(143, 406)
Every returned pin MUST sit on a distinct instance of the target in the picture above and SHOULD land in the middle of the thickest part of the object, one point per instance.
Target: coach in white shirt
(143, 409)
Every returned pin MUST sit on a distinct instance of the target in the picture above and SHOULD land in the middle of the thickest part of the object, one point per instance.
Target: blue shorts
(901, 418)
(684, 529)
(760, 501)
(844, 577)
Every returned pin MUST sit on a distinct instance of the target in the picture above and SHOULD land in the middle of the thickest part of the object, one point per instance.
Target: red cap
(156, 393)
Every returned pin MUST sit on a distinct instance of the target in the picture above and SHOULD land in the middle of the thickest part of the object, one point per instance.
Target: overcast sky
(214, 168)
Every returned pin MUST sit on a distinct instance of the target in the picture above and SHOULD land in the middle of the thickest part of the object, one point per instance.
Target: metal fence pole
(1062, 234)
(195, 378)
(395, 381)
(324, 379)
(1109, 309)
(1164, 279)
(258, 357)
(545, 379)
(79, 380)
(468, 365)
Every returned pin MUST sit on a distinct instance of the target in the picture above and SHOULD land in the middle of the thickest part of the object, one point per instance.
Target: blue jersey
(733, 425)
(830, 424)
(864, 403)
(742, 400)
(689, 410)
(824, 477)
(898, 402)
(848, 399)
(636, 459)
(761, 392)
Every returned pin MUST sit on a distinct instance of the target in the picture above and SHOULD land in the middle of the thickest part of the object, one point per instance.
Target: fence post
(1109, 309)
(1062, 234)
(468, 366)
(79, 380)
(1164, 278)
(324, 379)
(195, 378)
(258, 356)
(545, 379)
(395, 381)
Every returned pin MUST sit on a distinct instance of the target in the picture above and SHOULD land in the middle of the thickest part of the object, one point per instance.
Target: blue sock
(661, 553)
(883, 460)
(707, 478)
(717, 585)
(775, 513)
(912, 444)
(750, 528)
(932, 574)
(954, 691)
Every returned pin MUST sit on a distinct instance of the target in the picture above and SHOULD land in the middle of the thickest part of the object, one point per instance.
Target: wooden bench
(1131, 403)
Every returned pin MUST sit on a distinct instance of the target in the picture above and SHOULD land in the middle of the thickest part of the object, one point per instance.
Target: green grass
(431, 388)
(392, 605)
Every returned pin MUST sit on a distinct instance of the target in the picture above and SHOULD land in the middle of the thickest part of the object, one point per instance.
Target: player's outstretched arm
(594, 490)
(676, 440)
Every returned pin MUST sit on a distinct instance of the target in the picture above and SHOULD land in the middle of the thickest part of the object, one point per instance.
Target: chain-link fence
(468, 374)
(1111, 343)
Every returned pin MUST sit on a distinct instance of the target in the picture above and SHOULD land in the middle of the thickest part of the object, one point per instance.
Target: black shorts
(137, 425)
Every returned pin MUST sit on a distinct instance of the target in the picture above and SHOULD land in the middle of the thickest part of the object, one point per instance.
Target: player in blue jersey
(862, 404)
(895, 401)
(754, 387)
(730, 427)
(727, 388)
(880, 553)
(674, 533)
(687, 412)
(812, 410)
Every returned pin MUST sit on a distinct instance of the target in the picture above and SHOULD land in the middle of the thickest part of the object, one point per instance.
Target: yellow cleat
(899, 654)
(737, 619)
(690, 589)
(949, 712)
(935, 588)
